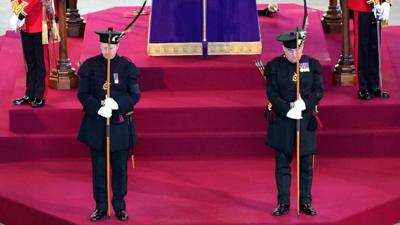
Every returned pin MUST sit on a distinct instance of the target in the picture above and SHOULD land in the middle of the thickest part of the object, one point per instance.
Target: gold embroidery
(269, 106)
(196, 48)
(18, 8)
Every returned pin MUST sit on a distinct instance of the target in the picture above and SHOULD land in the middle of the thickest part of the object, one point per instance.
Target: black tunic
(281, 90)
(124, 90)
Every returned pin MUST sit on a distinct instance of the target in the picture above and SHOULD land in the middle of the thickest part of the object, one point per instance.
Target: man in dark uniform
(97, 107)
(281, 133)
(366, 45)
(27, 17)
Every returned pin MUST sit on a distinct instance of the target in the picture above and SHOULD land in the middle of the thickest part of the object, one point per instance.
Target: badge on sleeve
(116, 81)
(304, 67)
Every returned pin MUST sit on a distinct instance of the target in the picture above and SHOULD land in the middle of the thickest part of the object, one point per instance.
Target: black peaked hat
(114, 35)
(289, 38)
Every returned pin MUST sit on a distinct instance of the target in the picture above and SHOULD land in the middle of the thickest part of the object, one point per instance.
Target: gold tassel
(133, 161)
(54, 31)
(45, 33)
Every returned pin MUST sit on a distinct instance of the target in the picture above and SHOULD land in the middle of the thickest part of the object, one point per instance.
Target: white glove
(385, 11)
(273, 7)
(299, 104)
(294, 113)
(14, 22)
(20, 23)
(377, 10)
(105, 112)
(111, 103)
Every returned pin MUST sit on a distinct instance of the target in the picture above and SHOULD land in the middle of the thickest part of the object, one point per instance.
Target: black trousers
(283, 177)
(366, 50)
(34, 58)
(119, 178)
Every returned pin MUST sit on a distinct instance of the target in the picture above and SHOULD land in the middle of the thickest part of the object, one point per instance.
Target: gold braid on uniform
(378, 2)
(18, 8)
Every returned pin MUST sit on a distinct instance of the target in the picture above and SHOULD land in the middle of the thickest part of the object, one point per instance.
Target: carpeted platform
(201, 157)
(198, 192)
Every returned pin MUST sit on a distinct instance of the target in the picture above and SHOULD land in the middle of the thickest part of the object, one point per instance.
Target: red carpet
(201, 157)
(199, 192)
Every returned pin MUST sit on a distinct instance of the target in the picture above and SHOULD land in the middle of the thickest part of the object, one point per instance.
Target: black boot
(121, 215)
(22, 101)
(377, 92)
(364, 94)
(98, 214)
(308, 210)
(281, 209)
(38, 102)
(263, 12)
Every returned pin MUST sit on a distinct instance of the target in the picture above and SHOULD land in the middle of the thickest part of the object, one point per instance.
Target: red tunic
(32, 10)
(361, 5)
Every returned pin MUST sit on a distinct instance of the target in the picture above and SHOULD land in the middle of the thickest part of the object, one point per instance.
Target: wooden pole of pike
(298, 127)
(108, 125)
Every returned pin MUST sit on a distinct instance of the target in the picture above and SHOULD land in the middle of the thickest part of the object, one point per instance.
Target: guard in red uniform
(366, 14)
(27, 17)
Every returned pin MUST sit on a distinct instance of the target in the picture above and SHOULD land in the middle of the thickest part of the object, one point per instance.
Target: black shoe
(22, 101)
(364, 94)
(121, 215)
(38, 102)
(308, 210)
(98, 214)
(376, 92)
(263, 12)
(281, 210)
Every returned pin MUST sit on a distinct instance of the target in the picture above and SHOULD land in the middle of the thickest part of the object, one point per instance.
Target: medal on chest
(304, 67)
(116, 80)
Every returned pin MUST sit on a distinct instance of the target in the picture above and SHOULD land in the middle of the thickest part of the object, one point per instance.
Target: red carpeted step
(246, 144)
(157, 112)
(204, 145)
(35, 147)
(31, 215)
(197, 192)
(368, 115)
(167, 111)
(359, 142)
(155, 145)
(391, 35)
(12, 64)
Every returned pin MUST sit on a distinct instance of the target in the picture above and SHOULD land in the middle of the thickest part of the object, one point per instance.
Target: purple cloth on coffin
(180, 21)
